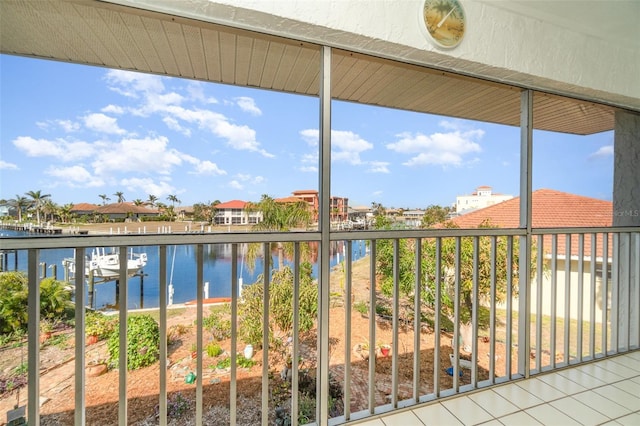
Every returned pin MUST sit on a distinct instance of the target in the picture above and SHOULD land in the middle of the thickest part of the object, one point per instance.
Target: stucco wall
(499, 44)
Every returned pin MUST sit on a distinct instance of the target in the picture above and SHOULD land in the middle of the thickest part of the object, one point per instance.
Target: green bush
(13, 302)
(98, 324)
(213, 350)
(217, 325)
(280, 306)
(55, 301)
(143, 342)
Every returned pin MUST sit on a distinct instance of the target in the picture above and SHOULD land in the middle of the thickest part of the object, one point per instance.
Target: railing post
(524, 279)
(33, 357)
(322, 395)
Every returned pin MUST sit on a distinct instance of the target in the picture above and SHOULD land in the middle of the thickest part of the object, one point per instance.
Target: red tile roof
(123, 208)
(233, 204)
(549, 209)
(289, 200)
(305, 191)
(84, 207)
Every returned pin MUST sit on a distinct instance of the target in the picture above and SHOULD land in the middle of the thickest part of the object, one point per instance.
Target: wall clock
(444, 21)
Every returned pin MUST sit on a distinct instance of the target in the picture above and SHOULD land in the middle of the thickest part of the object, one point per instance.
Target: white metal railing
(581, 304)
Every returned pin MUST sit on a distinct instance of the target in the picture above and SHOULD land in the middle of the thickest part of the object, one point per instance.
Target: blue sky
(76, 132)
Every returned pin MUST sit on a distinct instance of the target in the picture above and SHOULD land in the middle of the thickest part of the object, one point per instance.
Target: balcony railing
(459, 309)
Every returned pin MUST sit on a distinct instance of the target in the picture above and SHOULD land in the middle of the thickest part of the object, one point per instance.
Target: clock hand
(445, 18)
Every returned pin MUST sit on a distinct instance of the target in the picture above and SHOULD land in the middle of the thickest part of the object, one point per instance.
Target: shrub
(97, 324)
(143, 342)
(13, 302)
(280, 306)
(213, 350)
(55, 301)
(219, 327)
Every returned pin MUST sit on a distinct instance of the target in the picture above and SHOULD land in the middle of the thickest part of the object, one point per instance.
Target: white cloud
(75, 176)
(160, 189)
(173, 124)
(308, 169)
(239, 137)
(146, 155)
(439, 148)
(310, 136)
(68, 125)
(103, 123)
(236, 185)
(208, 168)
(113, 109)
(248, 104)
(150, 90)
(345, 145)
(129, 84)
(603, 151)
(59, 148)
(8, 166)
(378, 167)
(195, 90)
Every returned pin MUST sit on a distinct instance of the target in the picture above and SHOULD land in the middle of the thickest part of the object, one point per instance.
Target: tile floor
(605, 392)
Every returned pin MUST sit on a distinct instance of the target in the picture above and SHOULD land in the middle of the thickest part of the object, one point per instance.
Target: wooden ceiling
(102, 34)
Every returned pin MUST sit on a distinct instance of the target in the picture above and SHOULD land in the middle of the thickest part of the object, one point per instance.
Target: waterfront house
(578, 262)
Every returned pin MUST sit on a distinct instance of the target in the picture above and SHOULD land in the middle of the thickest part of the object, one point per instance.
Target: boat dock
(31, 228)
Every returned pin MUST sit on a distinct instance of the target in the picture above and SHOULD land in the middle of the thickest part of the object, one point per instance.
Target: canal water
(143, 290)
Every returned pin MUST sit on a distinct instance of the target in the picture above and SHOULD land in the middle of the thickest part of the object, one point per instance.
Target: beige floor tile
(619, 396)
(550, 416)
(629, 386)
(630, 420)
(619, 369)
(518, 396)
(406, 418)
(436, 415)
(601, 404)
(541, 389)
(563, 384)
(599, 373)
(579, 411)
(519, 419)
(628, 361)
(493, 403)
(466, 410)
(374, 422)
(582, 378)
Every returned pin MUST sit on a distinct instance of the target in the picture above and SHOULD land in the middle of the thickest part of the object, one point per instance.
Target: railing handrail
(182, 238)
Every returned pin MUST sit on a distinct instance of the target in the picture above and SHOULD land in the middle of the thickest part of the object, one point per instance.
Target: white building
(482, 197)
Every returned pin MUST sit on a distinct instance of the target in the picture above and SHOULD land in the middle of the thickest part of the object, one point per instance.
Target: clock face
(444, 21)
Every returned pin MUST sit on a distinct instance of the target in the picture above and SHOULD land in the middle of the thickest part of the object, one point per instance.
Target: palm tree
(38, 199)
(152, 200)
(49, 208)
(104, 198)
(65, 212)
(138, 202)
(173, 199)
(278, 217)
(120, 196)
(20, 203)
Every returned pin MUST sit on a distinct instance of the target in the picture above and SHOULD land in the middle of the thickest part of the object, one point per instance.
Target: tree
(120, 196)
(20, 203)
(152, 200)
(65, 212)
(447, 273)
(138, 202)
(434, 214)
(280, 304)
(104, 198)
(174, 199)
(49, 208)
(277, 217)
(38, 199)
(378, 209)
